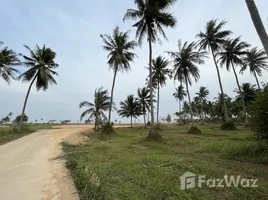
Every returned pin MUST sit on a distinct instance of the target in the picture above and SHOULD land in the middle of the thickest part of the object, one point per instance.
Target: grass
(126, 166)
(11, 133)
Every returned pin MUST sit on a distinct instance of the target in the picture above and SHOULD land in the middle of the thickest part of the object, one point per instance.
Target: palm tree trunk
(96, 121)
(112, 95)
(179, 106)
(255, 16)
(202, 110)
(131, 121)
(222, 93)
(144, 117)
(152, 133)
(158, 89)
(148, 119)
(190, 103)
(25, 102)
(242, 95)
(257, 80)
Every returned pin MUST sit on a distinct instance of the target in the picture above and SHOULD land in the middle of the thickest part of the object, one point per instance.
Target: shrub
(159, 126)
(258, 112)
(107, 128)
(194, 130)
(228, 126)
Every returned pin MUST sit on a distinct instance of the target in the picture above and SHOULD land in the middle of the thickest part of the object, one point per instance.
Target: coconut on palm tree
(130, 108)
(8, 59)
(144, 100)
(151, 16)
(256, 61)
(231, 55)
(41, 64)
(160, 75)
(212, 39)
(185, 63)
(179, 94)
(120, 55)
(256, 19)
(96, 110)
(202, 95)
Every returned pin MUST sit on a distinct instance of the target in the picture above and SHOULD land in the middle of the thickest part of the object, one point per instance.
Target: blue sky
(73, 28)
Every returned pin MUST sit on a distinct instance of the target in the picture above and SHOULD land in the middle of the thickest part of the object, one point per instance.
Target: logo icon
(187, 180)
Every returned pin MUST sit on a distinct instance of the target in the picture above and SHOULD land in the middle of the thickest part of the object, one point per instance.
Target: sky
(72, 29)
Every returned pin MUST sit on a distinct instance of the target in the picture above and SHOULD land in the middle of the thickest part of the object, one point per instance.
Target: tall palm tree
(256, 61)
(185, 66)
(202, 95)
(213, 39)
(151, 16)
(231, 55)
(144, 100)
(130, 108)
(8, 59)
(179, 95)
(255, 16)
(247, 91)
(96, 110)
(160, 72)
(41, 63)
(120, 55)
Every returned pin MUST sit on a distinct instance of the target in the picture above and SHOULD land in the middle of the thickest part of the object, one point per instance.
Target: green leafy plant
(107, 128)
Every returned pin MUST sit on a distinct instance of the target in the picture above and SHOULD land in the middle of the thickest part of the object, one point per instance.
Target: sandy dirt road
(28, 170)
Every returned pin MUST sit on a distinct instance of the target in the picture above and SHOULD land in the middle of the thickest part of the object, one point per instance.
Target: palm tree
(96, 110)
(185, 66)
(255, 16)
(247, 91)
(231, 55)
(179, 95)
(41, 70)
(119, 48)
(160, 73)
(202, 95)
(151, 16)
(144, 100)
(256, 61)
(130, 108)
(8, 59)
(213, 39)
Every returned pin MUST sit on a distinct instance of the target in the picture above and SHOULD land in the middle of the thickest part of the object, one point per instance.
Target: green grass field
(125, 167)
(8, 134)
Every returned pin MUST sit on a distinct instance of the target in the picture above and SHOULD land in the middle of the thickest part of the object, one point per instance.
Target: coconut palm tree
(185, 66)
(144, 100)
(231, 55)
(120, 55)
(256, 19)
(96, 110)
(8, 59)
(130, 108)
(213, 39)
(256, 61)
(179, 95)
(160, 73)
(151, 16)
(202, 95)
(247, 91)
(41, 64)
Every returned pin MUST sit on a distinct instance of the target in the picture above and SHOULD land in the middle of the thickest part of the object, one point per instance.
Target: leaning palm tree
(144, 100)
(151, 16)
(41, 70)
(255, 16)
(213, 39)
(120, 55)
(256, 61)
(96, 110)
(130, 108)
(185, 66)
(160, 73)
(231, 55)
(8, 59)
(202, 96)
(179, 95)
(248, 92)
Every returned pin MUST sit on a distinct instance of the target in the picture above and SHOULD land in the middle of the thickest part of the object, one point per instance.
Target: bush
(107, 128)
(159, 126)
(258, 112)
(148, 123)
(228, 126)
(194, 130)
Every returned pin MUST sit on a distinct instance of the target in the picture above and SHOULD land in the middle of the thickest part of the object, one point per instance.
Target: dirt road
(28, 170)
